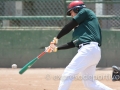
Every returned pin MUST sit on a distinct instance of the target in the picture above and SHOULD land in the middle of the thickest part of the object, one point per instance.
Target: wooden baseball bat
(29, 64)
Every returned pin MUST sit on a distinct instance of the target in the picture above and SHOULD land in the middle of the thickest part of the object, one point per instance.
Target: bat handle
(39, 56)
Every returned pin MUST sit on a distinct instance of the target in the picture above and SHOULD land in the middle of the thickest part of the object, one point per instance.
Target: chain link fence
(51, 14)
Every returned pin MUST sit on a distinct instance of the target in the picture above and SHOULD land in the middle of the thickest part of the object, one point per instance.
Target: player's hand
(51, 48)
(48, 49)
(55, 40)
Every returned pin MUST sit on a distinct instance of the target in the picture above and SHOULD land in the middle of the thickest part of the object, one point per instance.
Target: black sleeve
(67, 28)
(66, 46)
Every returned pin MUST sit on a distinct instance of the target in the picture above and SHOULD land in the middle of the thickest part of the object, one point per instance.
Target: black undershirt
(66, 29)
(66, 46)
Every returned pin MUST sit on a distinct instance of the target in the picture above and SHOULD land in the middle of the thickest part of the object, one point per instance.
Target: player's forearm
(66, 46)
(67, 28)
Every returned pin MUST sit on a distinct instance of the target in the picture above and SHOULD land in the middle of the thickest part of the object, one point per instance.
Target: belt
(86, 44)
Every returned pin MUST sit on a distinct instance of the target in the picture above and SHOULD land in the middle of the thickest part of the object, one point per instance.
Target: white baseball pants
(84, 62)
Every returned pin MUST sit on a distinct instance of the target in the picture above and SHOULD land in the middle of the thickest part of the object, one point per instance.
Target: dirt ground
(48, 79)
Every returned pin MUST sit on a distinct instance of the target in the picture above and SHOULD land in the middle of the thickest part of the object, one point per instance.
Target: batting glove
(48, 49)
(55, 40)
(53, 46)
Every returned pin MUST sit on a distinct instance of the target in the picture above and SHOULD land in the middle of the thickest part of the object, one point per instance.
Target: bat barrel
(23, 70)
(28, 65)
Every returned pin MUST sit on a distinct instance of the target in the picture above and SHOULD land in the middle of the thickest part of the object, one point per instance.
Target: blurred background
(27, 26)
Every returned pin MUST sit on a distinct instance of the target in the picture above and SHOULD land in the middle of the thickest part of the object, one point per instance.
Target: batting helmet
(75, 6)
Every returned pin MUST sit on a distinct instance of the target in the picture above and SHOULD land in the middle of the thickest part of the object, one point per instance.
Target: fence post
(65, 19)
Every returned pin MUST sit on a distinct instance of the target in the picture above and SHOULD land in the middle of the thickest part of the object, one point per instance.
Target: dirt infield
(48, 79)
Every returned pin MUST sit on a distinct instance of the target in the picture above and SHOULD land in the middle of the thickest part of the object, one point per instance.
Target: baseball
(14, 66)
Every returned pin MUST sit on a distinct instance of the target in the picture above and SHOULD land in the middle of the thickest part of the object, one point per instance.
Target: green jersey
(88, 29)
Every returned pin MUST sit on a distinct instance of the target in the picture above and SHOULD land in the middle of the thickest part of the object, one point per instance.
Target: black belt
(85, 44)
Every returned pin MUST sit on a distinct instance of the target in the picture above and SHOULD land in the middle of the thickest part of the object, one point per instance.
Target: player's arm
(67, 28)
(66, 46)
(54, 48)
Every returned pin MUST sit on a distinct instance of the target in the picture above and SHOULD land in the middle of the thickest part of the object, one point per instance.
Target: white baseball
(14, 66)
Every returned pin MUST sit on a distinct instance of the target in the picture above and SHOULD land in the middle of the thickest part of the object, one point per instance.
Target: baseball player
(87, 38)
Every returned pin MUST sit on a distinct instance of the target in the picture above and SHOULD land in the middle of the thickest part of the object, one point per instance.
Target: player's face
(72, 13)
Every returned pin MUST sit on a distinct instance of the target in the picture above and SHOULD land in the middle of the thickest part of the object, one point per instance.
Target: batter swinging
(87, 38)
